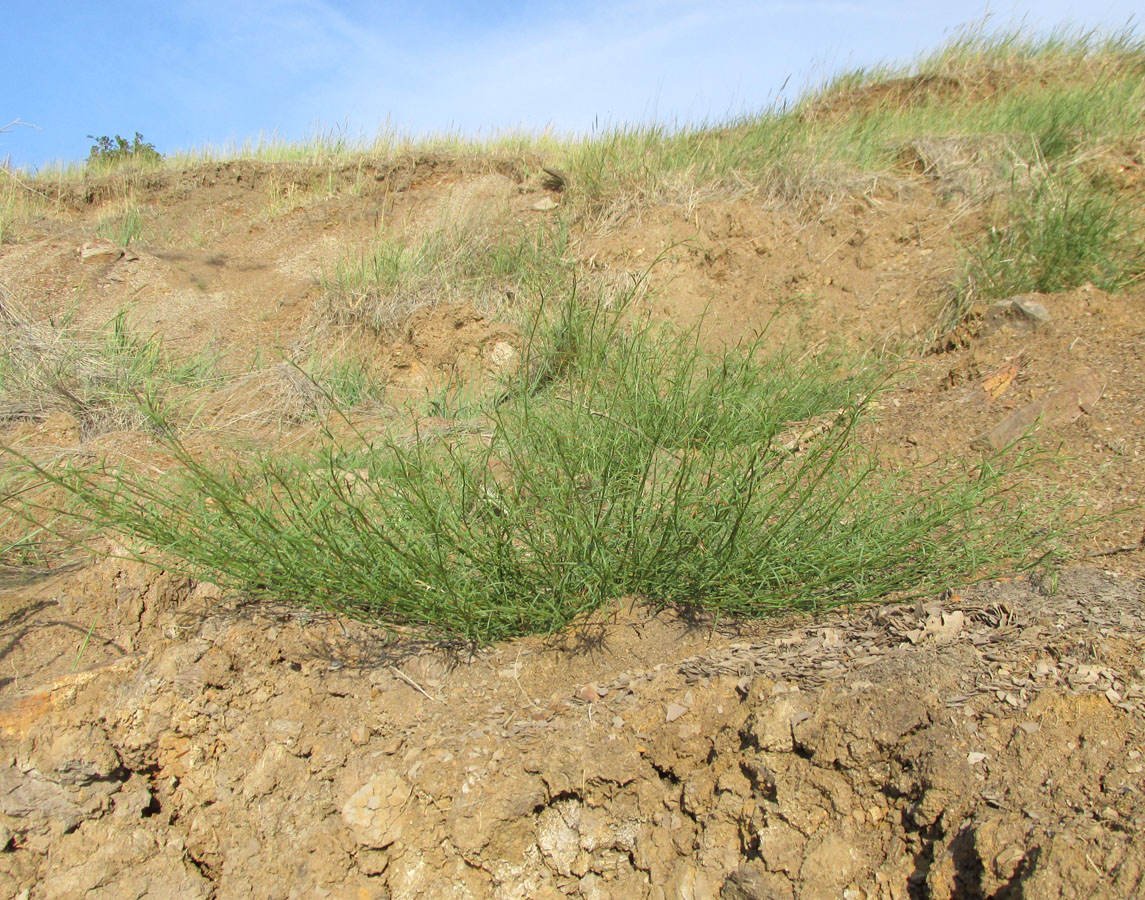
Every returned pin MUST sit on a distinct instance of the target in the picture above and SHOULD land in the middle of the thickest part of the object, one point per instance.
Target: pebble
(674, 711)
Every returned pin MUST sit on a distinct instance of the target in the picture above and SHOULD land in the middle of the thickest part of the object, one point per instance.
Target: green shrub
(119, 149)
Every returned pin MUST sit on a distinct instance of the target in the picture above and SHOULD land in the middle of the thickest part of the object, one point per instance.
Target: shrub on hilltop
(119, 149)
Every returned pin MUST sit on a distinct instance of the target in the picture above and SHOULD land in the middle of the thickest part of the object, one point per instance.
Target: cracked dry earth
(985, 744)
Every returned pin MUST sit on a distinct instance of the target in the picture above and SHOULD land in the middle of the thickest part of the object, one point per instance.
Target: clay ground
(161, 739)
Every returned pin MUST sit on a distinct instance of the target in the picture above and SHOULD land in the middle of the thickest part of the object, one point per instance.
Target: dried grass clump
(484, 264)
(104, 380)
(971, 169)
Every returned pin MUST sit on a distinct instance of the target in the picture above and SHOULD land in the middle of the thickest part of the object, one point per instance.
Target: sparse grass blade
(123, 225)
(486, 266)
(98, 378)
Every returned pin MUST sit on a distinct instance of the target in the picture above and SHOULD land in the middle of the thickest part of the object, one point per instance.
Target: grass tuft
(123, 225)
(312, 388)
(485, 265)
(1056, 234)
(620, 460)
(100, 379)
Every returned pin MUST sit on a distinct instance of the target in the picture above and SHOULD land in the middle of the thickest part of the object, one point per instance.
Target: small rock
(975, 758)
(1060, 406)
(100, 252)
(502, 356)
(753, 882)
(674, 711)
(359, 735)
(691, 882)
(588, 693)
(80, 757)
(772, 723)
(1022, 311)
(131, 801)
(372, 862)
(285, 731)
(545, 204)
(374, 811)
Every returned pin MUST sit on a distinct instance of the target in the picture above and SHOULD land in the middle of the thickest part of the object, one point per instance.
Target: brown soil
(159, 739)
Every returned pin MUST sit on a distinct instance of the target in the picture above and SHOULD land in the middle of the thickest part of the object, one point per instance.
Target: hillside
(743, 512)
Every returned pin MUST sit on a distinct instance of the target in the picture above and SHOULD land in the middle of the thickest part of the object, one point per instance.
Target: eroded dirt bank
(982, 745)
(160, 740)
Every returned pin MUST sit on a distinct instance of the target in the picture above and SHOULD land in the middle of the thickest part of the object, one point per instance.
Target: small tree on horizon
(118, 149)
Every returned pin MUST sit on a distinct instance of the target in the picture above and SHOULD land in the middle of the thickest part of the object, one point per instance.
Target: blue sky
(193, 72)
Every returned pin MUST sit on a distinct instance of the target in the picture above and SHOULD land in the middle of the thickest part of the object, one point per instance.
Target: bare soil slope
(159, 739)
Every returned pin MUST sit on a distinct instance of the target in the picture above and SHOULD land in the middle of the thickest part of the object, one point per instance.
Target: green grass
(621, 460)
(1052, 98)
(484, 265)
(1067, 89)
(1056, 234)
(310, 388)
(345, 380)
(11, 211)
(22, 200)
(37, 549)
(122, 225)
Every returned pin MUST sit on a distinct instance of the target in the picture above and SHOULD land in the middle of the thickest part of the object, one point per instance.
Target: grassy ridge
(1036, 114)
(1070, 90)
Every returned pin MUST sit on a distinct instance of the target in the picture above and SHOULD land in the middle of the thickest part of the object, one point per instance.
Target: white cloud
(675, 58)
(290, 63)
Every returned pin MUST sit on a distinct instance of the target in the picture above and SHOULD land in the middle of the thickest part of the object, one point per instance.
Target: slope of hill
(744, 512)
